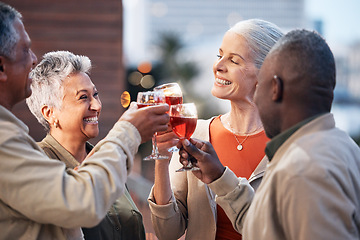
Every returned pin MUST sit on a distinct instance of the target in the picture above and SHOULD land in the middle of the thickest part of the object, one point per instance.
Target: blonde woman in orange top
(179, 202)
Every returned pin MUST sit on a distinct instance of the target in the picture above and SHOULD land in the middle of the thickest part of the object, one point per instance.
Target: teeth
(222, 82)
(91, 120)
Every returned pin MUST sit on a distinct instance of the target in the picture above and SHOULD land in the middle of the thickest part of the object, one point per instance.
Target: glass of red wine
(173, 96)
(145, 99)
(183, 119)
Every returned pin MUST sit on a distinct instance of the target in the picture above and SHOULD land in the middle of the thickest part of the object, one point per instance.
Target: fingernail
(187, 142)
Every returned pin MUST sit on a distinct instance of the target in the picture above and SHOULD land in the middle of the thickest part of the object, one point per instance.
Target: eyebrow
(84, 90)
(236, 54)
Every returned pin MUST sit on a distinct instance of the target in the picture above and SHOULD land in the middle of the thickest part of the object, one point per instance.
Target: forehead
(77, 82)
(20, 30)
(235, 43)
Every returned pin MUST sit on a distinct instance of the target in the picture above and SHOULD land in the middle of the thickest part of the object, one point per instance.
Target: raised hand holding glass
(183, 119)
(145, 99)
(173, 96)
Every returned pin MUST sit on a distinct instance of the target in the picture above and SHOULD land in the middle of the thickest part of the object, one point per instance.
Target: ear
(48, 114)
(277, 89)
(3, 76)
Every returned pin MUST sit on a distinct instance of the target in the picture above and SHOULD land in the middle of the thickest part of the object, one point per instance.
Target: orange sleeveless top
(242, 163)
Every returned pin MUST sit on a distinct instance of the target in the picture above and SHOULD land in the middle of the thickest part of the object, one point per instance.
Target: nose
(95, 104)
(34, 58)
(219, 65)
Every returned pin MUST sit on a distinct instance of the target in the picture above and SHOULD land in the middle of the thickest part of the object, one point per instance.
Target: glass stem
(154, 145)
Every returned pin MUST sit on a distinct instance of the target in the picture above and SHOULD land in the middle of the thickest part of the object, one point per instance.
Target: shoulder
(202, 128)
(319, 156)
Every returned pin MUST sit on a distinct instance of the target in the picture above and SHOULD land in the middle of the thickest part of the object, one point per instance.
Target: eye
(219, 56)
(84, 96)
(233, 61)
(96, 94)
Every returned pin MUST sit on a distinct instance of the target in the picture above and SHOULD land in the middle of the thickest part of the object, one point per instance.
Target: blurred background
(135, 45)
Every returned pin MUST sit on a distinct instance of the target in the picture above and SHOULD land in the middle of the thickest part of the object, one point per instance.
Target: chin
(91, 133)
(28, 93)
(217, 95)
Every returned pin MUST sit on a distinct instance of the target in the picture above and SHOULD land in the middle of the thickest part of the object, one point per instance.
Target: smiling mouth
(92, 120)
(222, 81)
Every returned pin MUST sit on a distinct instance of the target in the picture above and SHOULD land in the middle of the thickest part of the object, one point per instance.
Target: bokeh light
(144, 67)
(135, 78)
(125, 99)
(147, 81)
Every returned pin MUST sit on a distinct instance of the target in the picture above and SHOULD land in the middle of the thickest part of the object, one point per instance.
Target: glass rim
(166, 85)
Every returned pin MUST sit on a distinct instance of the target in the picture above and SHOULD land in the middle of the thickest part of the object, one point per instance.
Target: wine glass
(173, 96)
(183, 119)
(150, 98)
(172, 92)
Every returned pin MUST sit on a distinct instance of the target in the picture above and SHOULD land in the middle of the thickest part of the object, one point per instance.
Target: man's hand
(203, 155)
(147, 120)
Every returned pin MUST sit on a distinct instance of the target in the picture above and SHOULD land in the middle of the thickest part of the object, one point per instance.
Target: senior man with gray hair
(39, 197)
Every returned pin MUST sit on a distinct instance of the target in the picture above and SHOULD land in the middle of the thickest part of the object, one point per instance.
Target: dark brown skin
(204, 156)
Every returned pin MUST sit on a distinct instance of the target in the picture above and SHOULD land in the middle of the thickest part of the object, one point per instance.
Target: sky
(341, 19)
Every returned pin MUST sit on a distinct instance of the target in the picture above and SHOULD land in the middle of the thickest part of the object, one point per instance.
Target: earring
(56, 125)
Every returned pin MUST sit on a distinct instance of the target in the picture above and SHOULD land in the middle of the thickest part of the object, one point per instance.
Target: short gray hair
(8, 36)
(48, 78)
(260, 35)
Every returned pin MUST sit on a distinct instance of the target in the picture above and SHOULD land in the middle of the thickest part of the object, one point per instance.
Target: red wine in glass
(183, 127)
(183, 119)
(141, 105)
(173, 100)
(173, 96)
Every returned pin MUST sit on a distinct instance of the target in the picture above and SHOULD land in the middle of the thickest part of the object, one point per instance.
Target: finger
(167, 131)
(192, 149)
(183, 154)
(158, 109)
(166, 136)
(197, 142)
(165, 146)
(133, 105)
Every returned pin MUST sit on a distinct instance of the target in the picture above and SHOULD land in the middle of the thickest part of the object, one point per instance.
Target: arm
(162, 187)
(169, 219)
(318, 206)
(234, 194)
(42, 189)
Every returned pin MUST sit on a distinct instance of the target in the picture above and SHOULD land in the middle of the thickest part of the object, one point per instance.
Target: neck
(6, 103)
(242, 120)
(76, 147)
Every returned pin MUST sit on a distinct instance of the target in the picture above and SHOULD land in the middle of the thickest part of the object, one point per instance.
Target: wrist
(218, 174)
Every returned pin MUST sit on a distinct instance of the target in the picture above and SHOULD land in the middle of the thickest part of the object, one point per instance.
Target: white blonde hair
(260, 35)
(48, 78)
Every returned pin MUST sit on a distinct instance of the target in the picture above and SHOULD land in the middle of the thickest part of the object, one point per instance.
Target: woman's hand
(166, 140)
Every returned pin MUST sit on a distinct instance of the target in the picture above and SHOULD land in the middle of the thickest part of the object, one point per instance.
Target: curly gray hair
(48, 78)
(8, 36)
(260, 35)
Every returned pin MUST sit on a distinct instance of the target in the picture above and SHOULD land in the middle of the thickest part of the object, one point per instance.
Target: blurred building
(354, 70)
(86, 27)
(199, 21)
